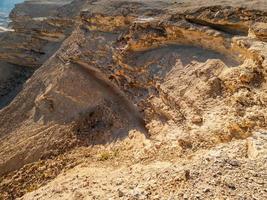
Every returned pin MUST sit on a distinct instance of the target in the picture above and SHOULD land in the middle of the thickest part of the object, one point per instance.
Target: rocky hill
(129, 99)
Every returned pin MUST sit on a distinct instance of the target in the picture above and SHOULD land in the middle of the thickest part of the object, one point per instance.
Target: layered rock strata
(191, 80)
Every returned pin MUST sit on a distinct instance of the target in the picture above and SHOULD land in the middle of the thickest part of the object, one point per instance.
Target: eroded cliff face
(140, 93)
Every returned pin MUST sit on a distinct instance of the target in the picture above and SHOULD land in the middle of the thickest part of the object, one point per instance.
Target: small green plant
(32, 187)
(104, 156)
(116, 153)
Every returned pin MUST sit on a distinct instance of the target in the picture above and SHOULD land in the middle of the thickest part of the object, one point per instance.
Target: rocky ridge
(141, 100)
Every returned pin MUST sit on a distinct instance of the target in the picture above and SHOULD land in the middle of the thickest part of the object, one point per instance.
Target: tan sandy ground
(137, 100)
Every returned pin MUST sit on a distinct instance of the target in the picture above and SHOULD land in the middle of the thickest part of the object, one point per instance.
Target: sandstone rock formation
(135, 100)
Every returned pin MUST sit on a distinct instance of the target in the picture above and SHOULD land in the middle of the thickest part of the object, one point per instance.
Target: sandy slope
(140, 100)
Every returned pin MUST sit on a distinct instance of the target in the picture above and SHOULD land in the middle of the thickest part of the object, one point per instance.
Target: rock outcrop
(149, 91)
(37, 32)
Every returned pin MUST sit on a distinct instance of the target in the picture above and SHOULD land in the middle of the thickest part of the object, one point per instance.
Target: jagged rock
(170, 97)
(259, 30)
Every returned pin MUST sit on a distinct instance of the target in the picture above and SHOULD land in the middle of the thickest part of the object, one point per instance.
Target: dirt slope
(136, 100)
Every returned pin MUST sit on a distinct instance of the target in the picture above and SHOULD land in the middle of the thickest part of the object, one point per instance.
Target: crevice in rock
(226, 28)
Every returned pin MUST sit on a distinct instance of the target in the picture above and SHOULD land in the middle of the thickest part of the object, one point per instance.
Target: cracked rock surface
(134, 100)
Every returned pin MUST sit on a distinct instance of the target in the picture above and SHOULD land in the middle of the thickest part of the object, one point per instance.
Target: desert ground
(129, 99)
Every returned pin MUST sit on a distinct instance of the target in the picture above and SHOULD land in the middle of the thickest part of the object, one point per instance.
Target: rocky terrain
(129, 99)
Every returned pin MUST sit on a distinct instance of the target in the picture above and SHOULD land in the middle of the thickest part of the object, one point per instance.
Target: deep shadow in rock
(12, 78)
(167, 56)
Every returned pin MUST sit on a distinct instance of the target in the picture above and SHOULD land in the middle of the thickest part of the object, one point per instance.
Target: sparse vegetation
(105, 156)
(130, 99)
